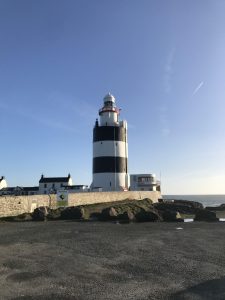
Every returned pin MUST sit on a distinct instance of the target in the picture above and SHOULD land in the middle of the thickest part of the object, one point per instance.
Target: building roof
(54, 179)
(8, 189)
(30, 188)
(16, 188)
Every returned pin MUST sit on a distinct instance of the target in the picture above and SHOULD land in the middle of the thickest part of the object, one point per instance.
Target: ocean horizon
(206, 200)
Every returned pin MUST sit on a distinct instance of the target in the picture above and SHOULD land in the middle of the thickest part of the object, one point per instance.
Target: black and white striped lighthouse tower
(110, 149)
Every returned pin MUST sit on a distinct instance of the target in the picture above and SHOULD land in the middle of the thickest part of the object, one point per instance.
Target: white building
(49, 185)
(110, 149)
(144, 182)
(79, 188)
(3, 183)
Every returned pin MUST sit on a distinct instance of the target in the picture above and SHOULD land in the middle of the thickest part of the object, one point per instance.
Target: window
(45, 185)
(53, 185)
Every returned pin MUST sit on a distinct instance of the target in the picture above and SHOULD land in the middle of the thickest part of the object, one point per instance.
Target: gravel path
(72, 260)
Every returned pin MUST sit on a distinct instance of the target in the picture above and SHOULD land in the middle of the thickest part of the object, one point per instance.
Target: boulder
(72, 213)
(108, 214)
(181, 206)
(24, 217)
(148, 216)
(128, 215)
(193, 204)
(20, 218)
(171, 216)
(40, 213)
(55, 214)
(205, 215)
(216, 208)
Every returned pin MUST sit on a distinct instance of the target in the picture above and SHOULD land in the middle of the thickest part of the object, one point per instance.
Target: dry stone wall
(15, 205)
(100, 197)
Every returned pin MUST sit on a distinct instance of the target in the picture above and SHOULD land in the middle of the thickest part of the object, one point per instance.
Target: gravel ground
(72, 260)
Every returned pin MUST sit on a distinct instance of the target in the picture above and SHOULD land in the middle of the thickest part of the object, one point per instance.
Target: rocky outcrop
(55, 214)
(193, 204)
(40, 213)
(181, 206)
(148, 216)
(205, 215)
(130, 211)
(72, 213)
(20, 218)
(171, 216)
(216, 208)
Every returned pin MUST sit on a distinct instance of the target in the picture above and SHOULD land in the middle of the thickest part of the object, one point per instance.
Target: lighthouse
(110, 149)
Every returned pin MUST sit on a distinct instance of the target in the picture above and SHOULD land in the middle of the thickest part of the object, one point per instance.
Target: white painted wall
(109, 119)
(110, 148)
(49, 186)
(118, 181)
(136, 185)
(3, 183)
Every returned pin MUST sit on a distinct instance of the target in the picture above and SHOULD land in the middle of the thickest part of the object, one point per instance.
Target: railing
(110, 109)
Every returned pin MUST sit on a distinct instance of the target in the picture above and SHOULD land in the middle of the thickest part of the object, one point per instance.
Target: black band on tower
(109, 133)
(109, 164)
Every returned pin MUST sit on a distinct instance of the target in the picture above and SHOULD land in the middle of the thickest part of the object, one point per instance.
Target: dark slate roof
(8, 189)
(30, 188)
(53, 179)
(17, 188)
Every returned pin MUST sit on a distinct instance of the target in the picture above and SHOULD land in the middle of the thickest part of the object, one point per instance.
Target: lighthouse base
(111, 181)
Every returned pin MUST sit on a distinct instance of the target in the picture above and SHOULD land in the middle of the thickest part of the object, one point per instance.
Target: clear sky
(164, 61)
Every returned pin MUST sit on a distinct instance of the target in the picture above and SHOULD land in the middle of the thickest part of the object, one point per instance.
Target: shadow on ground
(208, 290)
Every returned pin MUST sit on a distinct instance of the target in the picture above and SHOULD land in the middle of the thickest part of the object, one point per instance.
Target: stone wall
(100, 197)
(15, 205)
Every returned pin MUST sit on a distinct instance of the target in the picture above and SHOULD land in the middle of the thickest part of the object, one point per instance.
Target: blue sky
(162, 60)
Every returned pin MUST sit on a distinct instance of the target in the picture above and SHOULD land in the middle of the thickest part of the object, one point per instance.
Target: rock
(130, 216)
(216, 208)
(181, 206)
(72, 213)
(20, 218)
(108, 214)
(148, 216)
(205, 215)
(193, 204)
(127, 217)
(171, 216)
(24, 217)
(40, 213)
(55, 214)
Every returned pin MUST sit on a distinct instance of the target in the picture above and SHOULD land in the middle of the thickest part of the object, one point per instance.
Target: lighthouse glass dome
(109, 98)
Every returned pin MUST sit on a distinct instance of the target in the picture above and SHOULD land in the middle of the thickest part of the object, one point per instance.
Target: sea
(206, 200)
